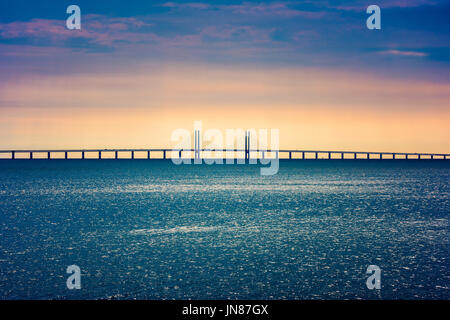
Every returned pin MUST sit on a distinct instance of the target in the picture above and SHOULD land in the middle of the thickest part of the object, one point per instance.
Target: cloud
(236, 33)
(362, 5)
(408, 3)
(96, 29)
(282, 9)
(192, 5)
(276, 8)
(99, 30)
(404, 53)
(136, 34)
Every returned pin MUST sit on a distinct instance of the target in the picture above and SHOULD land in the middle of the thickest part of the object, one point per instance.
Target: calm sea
(152, 230)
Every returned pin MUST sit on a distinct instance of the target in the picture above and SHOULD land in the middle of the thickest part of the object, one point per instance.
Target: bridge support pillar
(196, 143)
(329, 155)
(48, 155)
(13, 155)
(290, 155)
(179, 154)
(164, 154)
(342, 155)
(148, 154)
(316, 155)
(65, 155)
(82, 155)
(247, 146)
(354, 155)
(99, 155)
(31, 155)
(116, 155)
(432, 156)
(303, 155)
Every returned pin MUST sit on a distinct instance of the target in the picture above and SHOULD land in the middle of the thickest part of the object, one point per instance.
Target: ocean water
(153, 230)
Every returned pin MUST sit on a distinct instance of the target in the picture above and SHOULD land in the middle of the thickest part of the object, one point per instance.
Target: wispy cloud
(236, 33)
(283, 9)
(193, 5)
(408, 3)
(102, 31)
(276, 8)
(97, 29)
(361, 5)
(404, 53)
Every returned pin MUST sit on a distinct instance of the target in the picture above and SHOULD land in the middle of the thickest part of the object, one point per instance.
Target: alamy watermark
(74, 20)
(74, 280)
(374, 280)
(223, 147)
(374, 20)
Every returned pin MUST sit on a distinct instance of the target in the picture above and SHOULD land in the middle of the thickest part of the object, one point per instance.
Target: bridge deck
(260, 153)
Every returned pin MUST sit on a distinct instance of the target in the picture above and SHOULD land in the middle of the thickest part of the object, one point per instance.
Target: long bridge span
(198, 153)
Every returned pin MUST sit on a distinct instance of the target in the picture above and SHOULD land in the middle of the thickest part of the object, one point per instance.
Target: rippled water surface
(153, 230)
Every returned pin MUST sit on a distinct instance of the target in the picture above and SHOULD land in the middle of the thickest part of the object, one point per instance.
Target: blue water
(152, 230)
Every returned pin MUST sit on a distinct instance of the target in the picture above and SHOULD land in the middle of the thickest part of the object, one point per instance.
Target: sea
(150, 229)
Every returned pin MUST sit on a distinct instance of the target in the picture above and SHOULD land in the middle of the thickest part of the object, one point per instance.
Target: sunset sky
(138, 70)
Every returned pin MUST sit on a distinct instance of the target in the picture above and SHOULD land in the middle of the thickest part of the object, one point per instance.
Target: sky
(138, 70)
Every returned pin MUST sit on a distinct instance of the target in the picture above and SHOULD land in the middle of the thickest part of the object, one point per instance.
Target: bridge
(198, 153)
